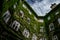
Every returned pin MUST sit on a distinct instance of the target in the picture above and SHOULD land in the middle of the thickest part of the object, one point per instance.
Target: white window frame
(43, 38)
(57, 13)
(15, 5)
(28, 20)
(55, 37)
(26, 33)
(49, 18)
(17, 25)
(51, 27)
(6, 16)
(34, 37)
(22, 13)
(59, 20)
(41, 29)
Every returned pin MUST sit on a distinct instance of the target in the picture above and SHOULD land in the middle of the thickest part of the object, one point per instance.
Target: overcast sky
(41, 7)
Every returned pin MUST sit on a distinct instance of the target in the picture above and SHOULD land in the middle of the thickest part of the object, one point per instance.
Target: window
(6, 16)
(29, 11)
(16, 25)
(57, 13)
(42, 29)
(41, 20)
(26, 33)
(21, 13)
(49, 18)
(55, 37)
(15, 5)
(34, 37)
(51, 27)
(28, 20)
(59, 20)
(24, 6)
(43, 38)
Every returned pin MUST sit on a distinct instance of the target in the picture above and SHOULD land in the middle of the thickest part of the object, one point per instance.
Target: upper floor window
(59, 20)
(21, 13)
(42, 29)
(49, 18)
(28, 20)
(51, 27)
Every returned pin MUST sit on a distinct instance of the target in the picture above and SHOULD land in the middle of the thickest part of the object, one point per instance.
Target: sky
(42, 7)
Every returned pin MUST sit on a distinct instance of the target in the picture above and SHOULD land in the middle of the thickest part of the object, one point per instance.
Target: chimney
(53, 5)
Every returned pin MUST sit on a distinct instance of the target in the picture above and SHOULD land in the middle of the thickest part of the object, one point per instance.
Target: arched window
(55, 37)
(51, 27)
(21, 13)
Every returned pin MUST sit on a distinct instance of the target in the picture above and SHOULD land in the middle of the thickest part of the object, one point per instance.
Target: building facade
(19, 21)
